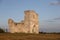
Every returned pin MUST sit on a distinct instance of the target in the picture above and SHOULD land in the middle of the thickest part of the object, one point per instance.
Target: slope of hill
(22, 36)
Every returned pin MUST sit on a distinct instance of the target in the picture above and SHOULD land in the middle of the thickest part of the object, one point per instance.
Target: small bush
(1, 30)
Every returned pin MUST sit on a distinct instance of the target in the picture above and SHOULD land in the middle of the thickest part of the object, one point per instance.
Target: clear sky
(49, 15)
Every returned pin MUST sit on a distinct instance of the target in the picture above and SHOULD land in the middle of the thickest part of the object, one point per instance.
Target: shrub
(1, 30)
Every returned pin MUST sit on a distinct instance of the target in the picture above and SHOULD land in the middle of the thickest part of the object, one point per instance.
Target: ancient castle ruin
(30, 24)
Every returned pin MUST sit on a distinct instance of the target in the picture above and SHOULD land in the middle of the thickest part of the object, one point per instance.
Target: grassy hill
(23, 36)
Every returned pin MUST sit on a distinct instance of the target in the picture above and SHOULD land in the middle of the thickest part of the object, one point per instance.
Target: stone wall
(29, 25)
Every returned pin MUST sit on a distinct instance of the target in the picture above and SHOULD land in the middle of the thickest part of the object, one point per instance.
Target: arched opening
(33, 29)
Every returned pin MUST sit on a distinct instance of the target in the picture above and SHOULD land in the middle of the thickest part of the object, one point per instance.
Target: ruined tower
(30, 24)
(31, 21)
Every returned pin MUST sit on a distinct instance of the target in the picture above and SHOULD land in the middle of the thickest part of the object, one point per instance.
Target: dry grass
(22, 36)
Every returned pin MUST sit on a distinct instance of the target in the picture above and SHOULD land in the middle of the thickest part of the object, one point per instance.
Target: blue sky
(49, 15)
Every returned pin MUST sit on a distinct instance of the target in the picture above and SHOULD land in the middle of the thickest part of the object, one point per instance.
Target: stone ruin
(30, 24)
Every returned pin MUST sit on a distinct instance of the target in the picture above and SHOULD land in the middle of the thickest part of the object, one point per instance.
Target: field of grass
(22, 36)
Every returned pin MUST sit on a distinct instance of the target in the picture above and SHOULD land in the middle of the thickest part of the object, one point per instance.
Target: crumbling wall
(15, 27)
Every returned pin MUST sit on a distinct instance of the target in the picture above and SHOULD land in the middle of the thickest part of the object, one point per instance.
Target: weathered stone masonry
(30, 24)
